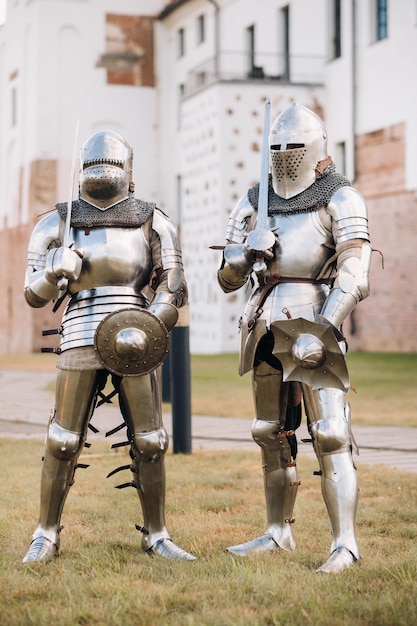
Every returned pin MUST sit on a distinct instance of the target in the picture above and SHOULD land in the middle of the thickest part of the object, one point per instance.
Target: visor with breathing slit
(105, 169)
(297, 141)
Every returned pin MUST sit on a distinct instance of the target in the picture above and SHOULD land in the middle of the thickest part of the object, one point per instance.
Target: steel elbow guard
(351, 284)
(353, 274)
(163, 307)
(151, 446)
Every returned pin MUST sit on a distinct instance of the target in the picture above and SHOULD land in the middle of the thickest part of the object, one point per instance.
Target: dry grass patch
(213, 500)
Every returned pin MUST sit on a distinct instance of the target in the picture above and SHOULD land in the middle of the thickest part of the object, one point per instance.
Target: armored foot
(339, 560)
(265, 543)
(41, 549)
(169, 550)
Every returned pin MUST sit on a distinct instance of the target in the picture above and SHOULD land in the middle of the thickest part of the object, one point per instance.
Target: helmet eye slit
(92, 162)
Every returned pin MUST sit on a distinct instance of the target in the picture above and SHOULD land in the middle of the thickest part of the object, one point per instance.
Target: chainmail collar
(311, 199)
(129, 212)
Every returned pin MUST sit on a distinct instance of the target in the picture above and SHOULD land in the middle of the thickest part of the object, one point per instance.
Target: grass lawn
(385, 385)
(385, 388)
(214, 500)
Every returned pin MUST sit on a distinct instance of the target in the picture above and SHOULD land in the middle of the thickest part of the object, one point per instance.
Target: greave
(57, 478)
(281, 486)
(62, 449)
(339, 485)
(150, 480)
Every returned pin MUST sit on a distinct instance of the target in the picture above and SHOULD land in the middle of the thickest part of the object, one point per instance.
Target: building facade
(185, 82)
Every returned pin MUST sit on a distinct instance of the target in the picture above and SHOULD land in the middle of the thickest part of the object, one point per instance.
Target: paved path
(26, 403)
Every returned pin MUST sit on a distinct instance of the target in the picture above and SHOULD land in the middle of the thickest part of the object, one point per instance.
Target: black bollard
(180, 387)
(166, 381)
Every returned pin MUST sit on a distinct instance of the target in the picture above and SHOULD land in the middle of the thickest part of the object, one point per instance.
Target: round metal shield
(131, 342)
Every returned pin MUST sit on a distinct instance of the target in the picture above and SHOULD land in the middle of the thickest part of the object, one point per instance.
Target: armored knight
(122, 270)
(311, 273)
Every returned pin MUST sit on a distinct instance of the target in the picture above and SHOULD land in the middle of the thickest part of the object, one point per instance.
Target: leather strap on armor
(333, 258)
(269, 282)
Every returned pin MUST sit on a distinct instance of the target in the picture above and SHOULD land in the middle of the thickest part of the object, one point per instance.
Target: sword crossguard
(261, 240)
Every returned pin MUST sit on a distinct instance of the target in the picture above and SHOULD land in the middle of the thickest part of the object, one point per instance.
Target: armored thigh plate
(131, 342)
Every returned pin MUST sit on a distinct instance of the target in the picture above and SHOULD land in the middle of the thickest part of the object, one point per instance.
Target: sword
(63, 281)
(261, 238)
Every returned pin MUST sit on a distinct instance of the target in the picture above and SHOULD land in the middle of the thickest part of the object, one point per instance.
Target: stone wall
(387, 320)
(21, 326)
(129, 50)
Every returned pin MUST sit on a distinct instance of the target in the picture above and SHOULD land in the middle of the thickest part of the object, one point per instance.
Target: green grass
(213, 500)
(386, 388)
(385, 385)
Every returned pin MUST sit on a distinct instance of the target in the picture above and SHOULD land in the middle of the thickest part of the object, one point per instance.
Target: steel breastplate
(116, 266)
(112, 256)
(304, 245)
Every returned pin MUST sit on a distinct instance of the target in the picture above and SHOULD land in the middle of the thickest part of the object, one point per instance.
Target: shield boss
(131, 342)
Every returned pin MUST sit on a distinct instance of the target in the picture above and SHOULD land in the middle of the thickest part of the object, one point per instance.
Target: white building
(185, 82)
(217, 64)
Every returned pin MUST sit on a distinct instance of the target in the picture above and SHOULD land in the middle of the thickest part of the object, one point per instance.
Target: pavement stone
(26, 404)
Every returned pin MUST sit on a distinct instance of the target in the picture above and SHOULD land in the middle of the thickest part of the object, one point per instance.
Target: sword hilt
(62, 283)
(260, 240)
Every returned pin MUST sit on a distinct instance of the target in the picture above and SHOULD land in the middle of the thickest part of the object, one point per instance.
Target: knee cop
(269, 436)
(331, 436)
(62, 443)
(150, 446)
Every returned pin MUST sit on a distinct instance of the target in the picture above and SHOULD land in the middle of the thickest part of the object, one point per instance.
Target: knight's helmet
(297, 142)
(105, 169)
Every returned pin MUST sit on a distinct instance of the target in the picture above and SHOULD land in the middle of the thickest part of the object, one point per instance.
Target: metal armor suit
(316, 270)
(119, 249)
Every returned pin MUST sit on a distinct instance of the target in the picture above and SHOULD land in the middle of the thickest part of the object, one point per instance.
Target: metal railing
(240, 66)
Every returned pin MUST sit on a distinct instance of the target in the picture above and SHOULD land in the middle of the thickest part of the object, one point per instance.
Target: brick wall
(129, 50)
(20, 325)
(387, 320)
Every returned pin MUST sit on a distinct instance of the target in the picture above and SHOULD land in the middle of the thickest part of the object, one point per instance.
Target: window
(181, 42)
(250, 37)
(181, 94)
(340, 157)
(14, 107)
(284, 42)
(179, 201)
(201, 29)
(381, 19)
(336, 30)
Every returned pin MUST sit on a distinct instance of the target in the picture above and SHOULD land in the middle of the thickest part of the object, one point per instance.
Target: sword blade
(261, 238)
(63, 281)
(66, 241)
(262, 220)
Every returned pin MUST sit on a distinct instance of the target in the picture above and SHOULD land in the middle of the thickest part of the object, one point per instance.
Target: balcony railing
(238, 66)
